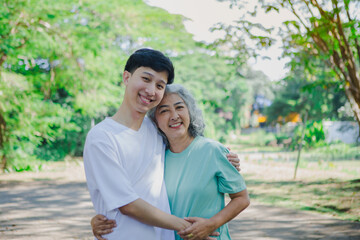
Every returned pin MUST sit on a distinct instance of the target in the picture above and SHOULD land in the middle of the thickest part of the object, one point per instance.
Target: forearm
(148, 214)
(239, 201)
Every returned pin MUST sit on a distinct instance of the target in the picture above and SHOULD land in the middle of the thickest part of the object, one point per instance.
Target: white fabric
(122, 165)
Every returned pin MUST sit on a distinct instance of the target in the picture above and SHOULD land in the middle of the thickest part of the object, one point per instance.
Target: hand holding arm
(233, 158)
(239, 201)
(200, 229)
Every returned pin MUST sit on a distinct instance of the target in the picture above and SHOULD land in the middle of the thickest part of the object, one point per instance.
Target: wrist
(213, 223)
(181, 225)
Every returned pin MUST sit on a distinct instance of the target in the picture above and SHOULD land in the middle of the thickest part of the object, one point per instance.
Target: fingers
(191, 219)
(186, 231)
(99, 237)
(103, 232)
(107, 224)
(101, 226)
(234, 162)
(233, 156)
(215, 234)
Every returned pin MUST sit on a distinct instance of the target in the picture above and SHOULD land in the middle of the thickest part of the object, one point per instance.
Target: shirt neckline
(115, 123)
(185, 151)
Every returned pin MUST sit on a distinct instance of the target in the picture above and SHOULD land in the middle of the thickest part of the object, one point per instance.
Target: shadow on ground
(49, 209)
(45, 210)
(267, 222)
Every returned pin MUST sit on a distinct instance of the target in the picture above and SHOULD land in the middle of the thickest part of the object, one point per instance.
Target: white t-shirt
(122, 165)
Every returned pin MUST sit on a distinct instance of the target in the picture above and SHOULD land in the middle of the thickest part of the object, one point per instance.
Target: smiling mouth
(145, 100)
(176, 125)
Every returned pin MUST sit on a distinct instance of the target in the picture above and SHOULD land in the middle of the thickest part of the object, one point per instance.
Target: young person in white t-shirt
(124, 156)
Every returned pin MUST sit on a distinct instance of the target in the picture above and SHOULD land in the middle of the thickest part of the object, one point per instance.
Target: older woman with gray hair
(197, 171)
(197, 124)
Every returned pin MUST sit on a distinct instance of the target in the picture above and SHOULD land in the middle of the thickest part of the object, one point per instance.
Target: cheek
(158, 121)
(161, 94)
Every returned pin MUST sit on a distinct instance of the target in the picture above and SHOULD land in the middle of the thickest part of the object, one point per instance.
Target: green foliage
(259, 138)
(217, 87)
(61, 64)
(320, 37)
(314, 135)
(29, 120)
(312, 91)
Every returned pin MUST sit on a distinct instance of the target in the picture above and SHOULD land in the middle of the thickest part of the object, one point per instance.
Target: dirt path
(55, 204)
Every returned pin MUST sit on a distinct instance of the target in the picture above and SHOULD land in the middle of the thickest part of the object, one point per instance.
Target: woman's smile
(172, 116)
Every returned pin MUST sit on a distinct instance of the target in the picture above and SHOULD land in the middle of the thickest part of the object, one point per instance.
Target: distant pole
(301, 143)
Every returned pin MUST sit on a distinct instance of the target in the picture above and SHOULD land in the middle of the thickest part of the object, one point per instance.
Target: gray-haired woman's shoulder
(211, 143)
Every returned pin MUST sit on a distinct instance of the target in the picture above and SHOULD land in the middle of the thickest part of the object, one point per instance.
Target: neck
(179, 144)
(128, 118)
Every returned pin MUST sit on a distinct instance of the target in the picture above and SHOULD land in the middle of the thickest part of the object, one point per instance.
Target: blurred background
(278, 81)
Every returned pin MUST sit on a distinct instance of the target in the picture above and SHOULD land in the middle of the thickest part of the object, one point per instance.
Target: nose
(174, 116)
(150, 90)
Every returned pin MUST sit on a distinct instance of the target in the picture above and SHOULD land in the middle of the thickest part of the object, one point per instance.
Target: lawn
(327, 180)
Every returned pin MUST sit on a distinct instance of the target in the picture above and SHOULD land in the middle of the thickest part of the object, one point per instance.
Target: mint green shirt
(197, 178)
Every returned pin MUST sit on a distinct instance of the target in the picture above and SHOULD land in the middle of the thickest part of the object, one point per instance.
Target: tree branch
(357, 46)
(308, 7)
(297, 15)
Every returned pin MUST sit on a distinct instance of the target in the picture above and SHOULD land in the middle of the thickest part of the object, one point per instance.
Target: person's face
(172, 116)
(144, 88)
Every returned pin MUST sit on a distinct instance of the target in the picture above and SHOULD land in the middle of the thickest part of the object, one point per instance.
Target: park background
(61, 64)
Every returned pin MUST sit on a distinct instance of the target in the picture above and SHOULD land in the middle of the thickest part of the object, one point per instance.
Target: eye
(179, 107)
(163, 111)
(146, 79)
(160, 87)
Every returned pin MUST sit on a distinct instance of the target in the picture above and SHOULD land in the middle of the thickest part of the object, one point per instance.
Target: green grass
(334, 197)
(328, 177)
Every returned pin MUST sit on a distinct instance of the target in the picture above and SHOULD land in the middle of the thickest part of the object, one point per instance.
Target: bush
(314, 135)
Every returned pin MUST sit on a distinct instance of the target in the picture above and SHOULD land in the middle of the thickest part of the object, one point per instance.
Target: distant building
(344, 131)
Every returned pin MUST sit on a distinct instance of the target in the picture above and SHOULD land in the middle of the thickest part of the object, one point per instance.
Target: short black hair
(146, 57)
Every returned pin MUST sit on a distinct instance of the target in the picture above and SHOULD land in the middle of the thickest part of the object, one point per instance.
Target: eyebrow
(152, 75)
(178, 103)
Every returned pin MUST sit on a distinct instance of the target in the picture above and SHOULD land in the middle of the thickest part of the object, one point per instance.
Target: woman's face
(172, 116)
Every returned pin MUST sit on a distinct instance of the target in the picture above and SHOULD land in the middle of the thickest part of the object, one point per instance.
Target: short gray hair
(197, 124)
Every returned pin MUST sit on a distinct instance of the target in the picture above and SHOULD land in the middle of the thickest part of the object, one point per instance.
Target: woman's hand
(234, 159)
(200, 229)
(101, 225)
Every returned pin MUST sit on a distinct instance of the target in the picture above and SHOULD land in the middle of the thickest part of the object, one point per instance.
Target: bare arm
(148, 214)
(141, 211)
(202, 227)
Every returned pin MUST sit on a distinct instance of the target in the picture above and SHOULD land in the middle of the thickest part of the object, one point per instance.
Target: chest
(191, 176)
(139, 152)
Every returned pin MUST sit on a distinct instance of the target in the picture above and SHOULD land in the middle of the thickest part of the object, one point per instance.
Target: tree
(302, 92)
(61, 64)
(60, 68)
(326, 30)
(217, 87)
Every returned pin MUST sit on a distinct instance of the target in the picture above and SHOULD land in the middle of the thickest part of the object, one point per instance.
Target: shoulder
(210, 144)
(149, 124)
(100, 132)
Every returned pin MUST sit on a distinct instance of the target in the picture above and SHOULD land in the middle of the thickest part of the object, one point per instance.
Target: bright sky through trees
(203, 14)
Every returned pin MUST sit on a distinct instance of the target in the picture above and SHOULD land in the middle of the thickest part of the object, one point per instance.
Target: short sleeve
(229, 179)
(105, 173)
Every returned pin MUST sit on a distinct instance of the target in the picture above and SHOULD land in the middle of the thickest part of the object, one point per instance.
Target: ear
(126, 77)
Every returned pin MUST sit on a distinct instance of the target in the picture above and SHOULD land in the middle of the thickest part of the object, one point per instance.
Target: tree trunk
(300, 144)
(355, 106)
(2, 142)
